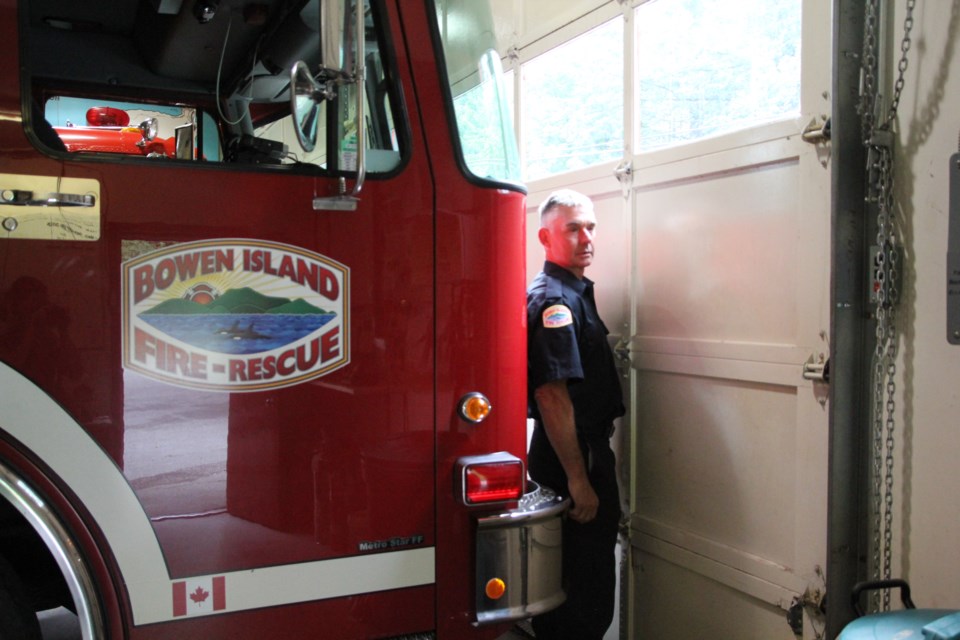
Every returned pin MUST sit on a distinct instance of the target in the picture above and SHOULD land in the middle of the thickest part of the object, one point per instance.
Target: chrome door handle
(22, 198)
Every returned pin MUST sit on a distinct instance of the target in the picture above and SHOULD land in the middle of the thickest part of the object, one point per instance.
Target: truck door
(236, 351)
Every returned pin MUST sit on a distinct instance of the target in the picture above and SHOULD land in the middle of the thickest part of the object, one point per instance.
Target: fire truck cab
(263, 351)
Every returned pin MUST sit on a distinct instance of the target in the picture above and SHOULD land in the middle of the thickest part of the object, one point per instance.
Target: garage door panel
(717, 255)
(680, 603)
(728, 297)
(718, 460)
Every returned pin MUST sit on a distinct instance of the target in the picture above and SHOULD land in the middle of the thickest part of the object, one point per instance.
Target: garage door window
(706, 67)
(572, 97)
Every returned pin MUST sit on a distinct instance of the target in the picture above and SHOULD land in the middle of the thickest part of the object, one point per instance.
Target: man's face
(567, 237)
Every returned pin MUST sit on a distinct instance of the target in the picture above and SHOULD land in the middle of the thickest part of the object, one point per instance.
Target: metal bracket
(622, 349)
(336, 203)
(622, 352)
(339, 202)
(624, 175)
(624, 171)
(817, 133)
(813, 602)
(795, 617)
(817, 369)
(881, 138)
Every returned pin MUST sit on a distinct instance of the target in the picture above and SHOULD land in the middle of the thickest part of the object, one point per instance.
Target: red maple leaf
(199, 595)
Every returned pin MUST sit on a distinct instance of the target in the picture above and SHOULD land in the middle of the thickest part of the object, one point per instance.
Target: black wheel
(18, 620)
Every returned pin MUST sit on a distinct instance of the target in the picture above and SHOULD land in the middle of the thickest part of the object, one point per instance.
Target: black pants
(589, 556)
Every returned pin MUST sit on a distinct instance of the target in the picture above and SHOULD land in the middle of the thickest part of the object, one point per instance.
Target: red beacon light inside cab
(108, 130)
(107, 117)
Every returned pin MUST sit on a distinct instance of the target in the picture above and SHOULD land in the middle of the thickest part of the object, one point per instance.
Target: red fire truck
(108, 130)
(270, 384)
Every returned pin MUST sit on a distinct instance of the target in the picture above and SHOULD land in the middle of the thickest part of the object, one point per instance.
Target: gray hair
(564, 198)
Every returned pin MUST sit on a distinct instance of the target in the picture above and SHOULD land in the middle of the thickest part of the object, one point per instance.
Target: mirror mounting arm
(342, 201)
(307, 90)
(358, 77)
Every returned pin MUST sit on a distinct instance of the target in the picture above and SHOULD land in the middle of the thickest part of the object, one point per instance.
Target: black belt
(589, 433)
(604, 432)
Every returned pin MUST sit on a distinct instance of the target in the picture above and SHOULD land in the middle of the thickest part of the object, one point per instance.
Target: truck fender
(42, 427)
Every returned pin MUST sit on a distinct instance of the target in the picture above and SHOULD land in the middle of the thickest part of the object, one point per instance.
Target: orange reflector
(496, 588)
(474, 407)
(494, 482)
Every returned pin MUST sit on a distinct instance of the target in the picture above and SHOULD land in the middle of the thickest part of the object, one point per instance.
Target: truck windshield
(484, 128)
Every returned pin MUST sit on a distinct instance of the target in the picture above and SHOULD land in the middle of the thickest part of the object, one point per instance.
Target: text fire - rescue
(172, 359)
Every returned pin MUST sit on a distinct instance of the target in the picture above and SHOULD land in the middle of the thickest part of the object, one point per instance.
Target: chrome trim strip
(516, 518)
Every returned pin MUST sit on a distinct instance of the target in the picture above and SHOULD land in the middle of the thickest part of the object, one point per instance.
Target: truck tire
(17, 617)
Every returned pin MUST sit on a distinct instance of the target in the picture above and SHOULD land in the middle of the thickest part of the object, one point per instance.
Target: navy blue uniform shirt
(566, 340)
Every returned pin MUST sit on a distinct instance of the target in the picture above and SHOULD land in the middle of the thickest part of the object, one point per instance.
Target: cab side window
(90, 125)
(166, 83)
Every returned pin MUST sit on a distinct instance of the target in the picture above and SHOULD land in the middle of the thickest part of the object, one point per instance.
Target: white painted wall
(929, 381)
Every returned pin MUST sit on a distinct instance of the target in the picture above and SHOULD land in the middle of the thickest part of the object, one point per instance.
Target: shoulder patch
(557, 316)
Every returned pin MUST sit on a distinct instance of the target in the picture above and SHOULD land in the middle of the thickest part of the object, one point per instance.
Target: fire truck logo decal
(235, 315)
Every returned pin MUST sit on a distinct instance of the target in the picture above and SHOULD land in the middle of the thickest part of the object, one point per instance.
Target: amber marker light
(474, 407)
(496, 588)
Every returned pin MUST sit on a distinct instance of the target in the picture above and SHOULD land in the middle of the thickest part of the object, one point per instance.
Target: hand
(585, 501)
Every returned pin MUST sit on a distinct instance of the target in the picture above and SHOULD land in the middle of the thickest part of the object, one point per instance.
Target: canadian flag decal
(198, 596)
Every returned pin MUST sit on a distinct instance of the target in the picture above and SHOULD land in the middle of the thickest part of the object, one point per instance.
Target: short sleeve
(552, 348)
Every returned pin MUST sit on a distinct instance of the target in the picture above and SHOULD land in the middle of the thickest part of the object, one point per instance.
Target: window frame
(450, 112)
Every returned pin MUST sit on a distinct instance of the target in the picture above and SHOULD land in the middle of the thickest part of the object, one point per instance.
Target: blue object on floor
(946, 628)
(909, 624)
(902, 625)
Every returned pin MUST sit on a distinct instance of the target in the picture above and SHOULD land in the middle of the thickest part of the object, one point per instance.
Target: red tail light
(497, 477)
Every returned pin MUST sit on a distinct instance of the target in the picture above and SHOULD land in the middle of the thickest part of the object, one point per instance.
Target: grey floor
(60, 624)
(521, 632)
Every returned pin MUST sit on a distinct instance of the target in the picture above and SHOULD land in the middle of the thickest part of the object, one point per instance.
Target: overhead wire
(249, 97)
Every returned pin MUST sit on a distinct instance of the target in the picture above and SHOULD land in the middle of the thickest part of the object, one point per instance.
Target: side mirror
(306, 92)
(305, 96)
(335, 62)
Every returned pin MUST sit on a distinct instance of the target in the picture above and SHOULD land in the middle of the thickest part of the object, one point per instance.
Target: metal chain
(868, 64)
(885, 274)
(878, 139)
(905, 43)
(867, 109)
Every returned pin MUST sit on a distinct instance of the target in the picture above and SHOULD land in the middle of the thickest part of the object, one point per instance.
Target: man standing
(574, 398)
